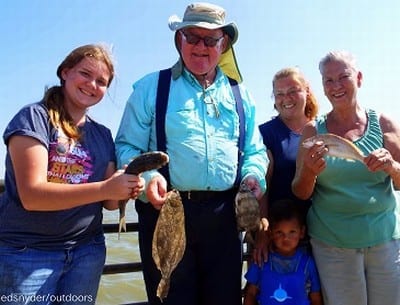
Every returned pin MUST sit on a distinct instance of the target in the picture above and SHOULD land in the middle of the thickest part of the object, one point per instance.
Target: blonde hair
(311, 108)
(54, 96)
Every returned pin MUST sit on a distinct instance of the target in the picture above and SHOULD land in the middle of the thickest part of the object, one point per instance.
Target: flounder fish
(248, 216)
(337, 146)
(142, 163)
(169, 240)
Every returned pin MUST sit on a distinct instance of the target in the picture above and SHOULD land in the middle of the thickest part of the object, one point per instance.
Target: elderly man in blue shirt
(200, 128)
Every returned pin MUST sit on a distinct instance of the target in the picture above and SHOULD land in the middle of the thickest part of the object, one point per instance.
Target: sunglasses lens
(194, 39)
(210, 42)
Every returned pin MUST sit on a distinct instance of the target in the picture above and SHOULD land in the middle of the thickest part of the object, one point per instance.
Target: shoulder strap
(303, 263)
(164, 81)
(240, 111)
(163, 87)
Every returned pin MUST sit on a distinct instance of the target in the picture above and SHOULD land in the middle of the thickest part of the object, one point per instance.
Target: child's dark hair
(285, 209)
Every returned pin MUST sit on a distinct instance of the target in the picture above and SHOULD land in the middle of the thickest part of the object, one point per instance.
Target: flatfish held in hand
(142, 163)
(248, 216)
(169, 240)
(337, 146)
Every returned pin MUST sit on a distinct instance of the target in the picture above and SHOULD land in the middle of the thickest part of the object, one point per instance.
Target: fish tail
(163, 288)
(122, 219)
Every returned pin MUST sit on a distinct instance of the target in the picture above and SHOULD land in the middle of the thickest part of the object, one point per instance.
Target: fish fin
(122, 220)
(248, 238)
(122, 226)
(163, 288)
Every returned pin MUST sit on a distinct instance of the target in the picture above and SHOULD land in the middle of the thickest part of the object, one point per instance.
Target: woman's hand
(380, 159)
(121, 186)
(313, 158)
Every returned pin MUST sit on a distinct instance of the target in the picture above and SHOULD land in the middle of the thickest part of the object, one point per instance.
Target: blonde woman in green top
(354, 220)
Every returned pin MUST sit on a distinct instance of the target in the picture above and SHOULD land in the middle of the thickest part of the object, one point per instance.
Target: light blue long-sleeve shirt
(202, 148)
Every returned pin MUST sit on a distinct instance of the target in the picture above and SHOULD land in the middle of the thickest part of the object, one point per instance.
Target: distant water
(127, 287)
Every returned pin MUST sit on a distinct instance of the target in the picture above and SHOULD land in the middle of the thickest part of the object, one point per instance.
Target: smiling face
(199, 58)
(290, 97)
(85, 84)
(340, 83)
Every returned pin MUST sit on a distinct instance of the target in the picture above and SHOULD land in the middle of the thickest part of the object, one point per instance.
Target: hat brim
(176, 24)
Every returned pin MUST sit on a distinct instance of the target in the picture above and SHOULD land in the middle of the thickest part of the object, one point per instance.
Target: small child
(290, 275)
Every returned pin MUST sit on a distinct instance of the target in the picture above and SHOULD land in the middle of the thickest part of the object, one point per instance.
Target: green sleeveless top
(351, 206)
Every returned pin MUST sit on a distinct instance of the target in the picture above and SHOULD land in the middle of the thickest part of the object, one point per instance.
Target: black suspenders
(164, 82)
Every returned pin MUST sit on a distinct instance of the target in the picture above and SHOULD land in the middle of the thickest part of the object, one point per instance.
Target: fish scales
(337, 146)
(147, 161)
(142, 163)
(247, 210)
(169, 240)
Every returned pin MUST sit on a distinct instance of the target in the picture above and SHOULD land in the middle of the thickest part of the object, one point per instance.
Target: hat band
(202, 18)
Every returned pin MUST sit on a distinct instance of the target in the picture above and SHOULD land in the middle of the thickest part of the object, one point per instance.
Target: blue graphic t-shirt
(285, 280)
(69, 162)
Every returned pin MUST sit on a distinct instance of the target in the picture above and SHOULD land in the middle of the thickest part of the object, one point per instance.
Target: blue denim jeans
(39, 277)
(368, 276)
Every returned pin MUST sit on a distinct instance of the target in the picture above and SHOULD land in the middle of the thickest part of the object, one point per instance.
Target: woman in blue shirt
(296, 105)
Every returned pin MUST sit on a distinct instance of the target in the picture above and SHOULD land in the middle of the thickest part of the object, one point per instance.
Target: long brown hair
(311, 108)
(54, 97)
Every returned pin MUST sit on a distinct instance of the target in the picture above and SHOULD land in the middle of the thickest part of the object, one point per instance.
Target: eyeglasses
(290, 93)
(207, 40)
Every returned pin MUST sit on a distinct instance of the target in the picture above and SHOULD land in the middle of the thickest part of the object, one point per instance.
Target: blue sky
(36, 35)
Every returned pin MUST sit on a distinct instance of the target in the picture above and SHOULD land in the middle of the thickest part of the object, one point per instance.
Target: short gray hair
(340, 56)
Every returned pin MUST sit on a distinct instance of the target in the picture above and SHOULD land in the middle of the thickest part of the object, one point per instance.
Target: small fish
(248, 216)
(142, 163)
(337, 146)
(169, 240)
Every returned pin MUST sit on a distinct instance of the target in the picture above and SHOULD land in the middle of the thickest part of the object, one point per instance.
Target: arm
(136, 133)
(260, 252)
(114, 204)
(387, 159)
(315, 294)
(250, 295)
(309, 164)
(315, 298)
(135, 129)
(264, 200)
(30, 161)
(255, 158)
